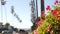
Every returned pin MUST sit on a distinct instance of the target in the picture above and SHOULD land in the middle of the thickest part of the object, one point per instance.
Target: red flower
(48, 8)
(48, 28)
(54, 12)
(58, 14)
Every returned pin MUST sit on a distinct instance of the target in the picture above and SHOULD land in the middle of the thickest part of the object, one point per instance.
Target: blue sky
(23, 10)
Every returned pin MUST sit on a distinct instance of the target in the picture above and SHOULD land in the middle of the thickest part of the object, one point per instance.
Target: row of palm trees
(6, 27)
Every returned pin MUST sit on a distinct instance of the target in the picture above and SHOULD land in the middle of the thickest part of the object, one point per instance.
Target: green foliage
(32, 32)
(50, 20)
(6, 25)
(56, 8)
(34, 27)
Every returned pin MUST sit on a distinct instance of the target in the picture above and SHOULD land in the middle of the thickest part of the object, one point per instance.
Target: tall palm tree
(7, 25)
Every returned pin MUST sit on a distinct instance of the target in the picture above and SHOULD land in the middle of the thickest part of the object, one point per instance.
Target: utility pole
(3, 2)
(37, 8)
(13, 13)
(34, 11)
(42, 5)
(42, 8)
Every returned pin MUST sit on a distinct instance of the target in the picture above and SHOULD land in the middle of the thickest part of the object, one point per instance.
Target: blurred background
(19, 16)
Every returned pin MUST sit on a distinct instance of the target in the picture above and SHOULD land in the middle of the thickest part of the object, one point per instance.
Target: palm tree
(7, 25)
(15, 29)
(12, 27)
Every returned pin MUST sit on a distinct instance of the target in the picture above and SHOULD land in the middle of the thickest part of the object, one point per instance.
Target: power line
(13, 13)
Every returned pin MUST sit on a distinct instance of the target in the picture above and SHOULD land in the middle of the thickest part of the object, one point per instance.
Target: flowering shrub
(51, 24)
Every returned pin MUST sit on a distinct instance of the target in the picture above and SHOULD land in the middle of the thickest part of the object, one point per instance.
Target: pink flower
(35, 32)
(56, 2)
(39, 22)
